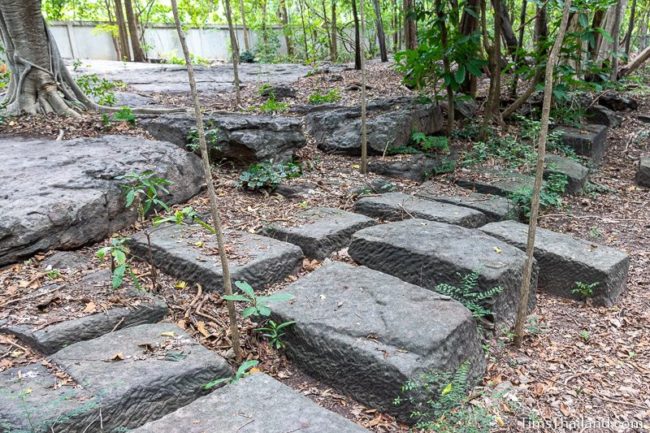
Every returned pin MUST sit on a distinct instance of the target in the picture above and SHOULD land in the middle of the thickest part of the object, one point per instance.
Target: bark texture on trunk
(138, 54)
(40, 82)
(381, 35)
(410, 27)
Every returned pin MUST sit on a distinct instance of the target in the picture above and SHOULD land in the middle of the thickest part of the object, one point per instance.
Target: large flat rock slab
(396, 206)
(321, 231)
(125, 378)
(65, 194)
(428, 253)
(643, 173)
(576, 173)
(55, 337)
(564, 260)
(504, 183)
(494, 207)
(390, 124)
(191, 254)
(588, 140)
(236, 136)
(366, 332)
(255, 404)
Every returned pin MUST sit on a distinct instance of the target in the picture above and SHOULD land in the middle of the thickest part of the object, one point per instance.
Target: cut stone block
(643, 175)
(396, 206)
(191, 254)
(429, 253)
(255, 404)
(563, 261)
(126, 379)
(575, 172)
(601, 115)
(59, 335)
(618, 102)
(503, 183)
(322, 232)
(494, 207)
(588, 140)
(366, 333)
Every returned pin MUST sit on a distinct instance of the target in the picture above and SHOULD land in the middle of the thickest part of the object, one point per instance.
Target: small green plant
(146, 189)
(241, 373)
(584, 290)
(76, 64)
(247, 57)
(533, 326)
(551, 194)
(124, 114)
(180, 216)
(267, 175)
(101, 89)
(330, 97)
(266, 90)
(53, 274)
(442, 404)
(585, 336)
(118, 251)
(273, 106)
(469, 295)
(256, 305)
(595, 233)
(211, 139)
(274, 333)
(430, 143)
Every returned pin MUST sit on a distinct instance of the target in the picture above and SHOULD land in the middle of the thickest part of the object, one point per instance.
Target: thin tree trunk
(265, 36)
(214, 209)
(334, 49)
(520, 45)
(630, 28)
(522, 310)
(410, 28)
(234, 46)
(494, 95)
(468, 26)
(242, 12)
(446, 64)
(364, 126)
(286, 30)
(501, 11)
(635, 64)
(326, 24)
(138, 54)
(304, 29)
(357, 37)
(122, 31)
(615, 36)
(396, 26)
(381, 36)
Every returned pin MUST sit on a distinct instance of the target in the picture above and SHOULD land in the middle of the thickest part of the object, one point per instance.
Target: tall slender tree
(132, 22)
(381, 35)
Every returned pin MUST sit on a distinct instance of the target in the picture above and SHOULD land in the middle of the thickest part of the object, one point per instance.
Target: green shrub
(430, 143)
(550, 196)
(267, 175)
(584, 290)
(318, 98)
(247, 57)
(273, 106)
(124, 114)
(102, 90)
(469, 294)
(211, 139)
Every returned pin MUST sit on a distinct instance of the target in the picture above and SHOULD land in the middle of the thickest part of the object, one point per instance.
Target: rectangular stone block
(643, 174)
(576, 173)
(503, 183)
(366, 333)
(191, 254)
(429, 253)
(321, 231)
(396, 206)
(255, 404)
(124, 379)
(588, 140)
(564, 260)
(494, 207)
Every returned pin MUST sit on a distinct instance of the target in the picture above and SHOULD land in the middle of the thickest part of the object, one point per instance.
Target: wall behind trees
(83, 40)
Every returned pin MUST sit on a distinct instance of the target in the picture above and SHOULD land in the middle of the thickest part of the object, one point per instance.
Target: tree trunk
(357, 37)
(522, 310)
(501, 11)
(326, 24)
(381, 36)
(494, 94)
(520, 45)
(138, 54)
(635, 64)
(410, 27)
(615, 43)
(304, 29)
(468, 26)
(334, 49)
(364, 127)
(284, 18)
(234, 46)
(122, 31)
(39, 81)
(265, 36)
(242, 12)
(446, 64)
(207, 172)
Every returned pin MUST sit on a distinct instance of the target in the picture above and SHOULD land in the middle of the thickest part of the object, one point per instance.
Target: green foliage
(267, 175)
(247, 57)
(268, 46)
(53, 274)
(117, 251)
(271, 105)
(469, 294)
(257, 306)
(101, 89)
(550, 196)
(173, 59)
(274, 333)
(442, 405)
(180, 216)
(211, 139)
(584, 290)
(318, 98)
(145, 189)
(585, 336)
(430, 143)
(242, 372)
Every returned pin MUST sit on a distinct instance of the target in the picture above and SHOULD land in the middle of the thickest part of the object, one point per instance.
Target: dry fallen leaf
(200, 326)
(90, 308)
(119, 356)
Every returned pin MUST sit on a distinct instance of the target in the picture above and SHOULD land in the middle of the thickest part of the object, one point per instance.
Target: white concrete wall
(82, 40)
